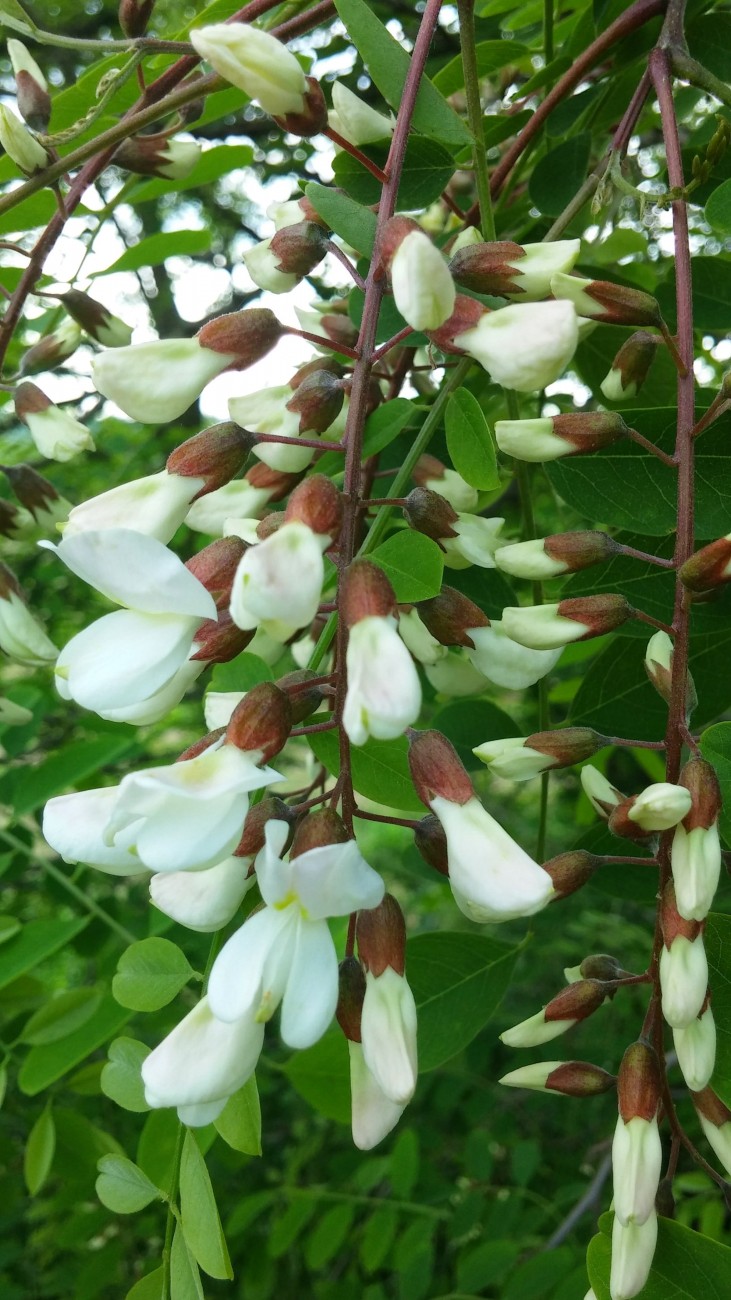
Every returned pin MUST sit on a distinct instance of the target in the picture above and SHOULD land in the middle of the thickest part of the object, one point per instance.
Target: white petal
(374, 1114)
(524, 346)
(505, 662)
(156, 382)
(388, 1034)
(249, 975)
(159, 704)
(73, 825)
(124, 658)
(273, 875)
(156, 505)
(334, 880)
(311, 992)
(202, 1060)
(280, 578)
(384, 694)
(137, 571)
(203, 900)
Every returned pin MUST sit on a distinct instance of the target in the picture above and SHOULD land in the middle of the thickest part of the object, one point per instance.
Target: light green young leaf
(185, 1280)
(148, 1288)
(39, 1150)
(123, 1187)
(413, 565)
(157, 248)
(121, 1078)
(469, 441)
(387, 422)
(150, 973)
(201, 1224)
(239, 1123)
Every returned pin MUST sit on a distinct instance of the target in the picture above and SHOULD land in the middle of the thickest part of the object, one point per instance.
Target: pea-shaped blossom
(285, 952)
(383, 694)
(256, 62)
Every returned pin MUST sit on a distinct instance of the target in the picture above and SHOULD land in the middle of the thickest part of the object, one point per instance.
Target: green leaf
(35, 942)
(39, 1150)
(158, 248)
(150, 973)
(469, 441)
(321, 1074)
(471, 722)
(491, 55)
(559, 174)
(239, 1123)
(627, 488)
(718, 209)
(427, 168)
(458, 981)
(716, 747)
(687, 1265)
(711, 295)
(148, 1288)
(185, 1280)
(380, 769)
(354, 223)
(328, 1236)
(61, 1015)
(123, 1187)
(26, 788)
(9, 927)
(199, 1216)
(121, 1077)
(44, 1064)
(717, 939)
(387, 422)
(388, 65)
(413, 565)
(240, 674)
(709, 41)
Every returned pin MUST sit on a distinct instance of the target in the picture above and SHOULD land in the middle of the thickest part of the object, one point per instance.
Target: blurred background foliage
(480, 1191)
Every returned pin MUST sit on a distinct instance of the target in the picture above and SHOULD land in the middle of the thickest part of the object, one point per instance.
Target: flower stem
(465, 9)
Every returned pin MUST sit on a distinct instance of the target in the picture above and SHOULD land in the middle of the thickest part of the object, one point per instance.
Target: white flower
(355, 120)
(265, 411)
(540, 263)
(505, 662)
(534, 1031)
(218, 707)
(235, 500)
(455, 675)
(423, 288)
(450, 485)
(155, 505)
(384, 695)
(56, 434)
(636, 1166)
(388, 1034)
(492, 877)
(263, 267)
(531, 440)
(695, 1046)
(512, 759)
(188, 815)
(203, 900)
(74, 825)
(19, 144)
(285, 952)
(279, 580)
(177, 158)
(524, 346)
(477, 542)
(202, 1063)
(633, 1250)
(256, 62)
(718, 1137)
(156, 382)
(374, 1115)
(541, 627)
(660, 806)
(21, 635)
(683, 980)
(598, 790)
(696, 862)
(419, 640)
(529, 560)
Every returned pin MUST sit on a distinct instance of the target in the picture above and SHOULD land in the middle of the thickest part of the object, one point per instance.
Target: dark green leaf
(158, 248)
(148, 1288)
(43, 1065)
(491, 55)
(239, 1123)
(29, 787)
(380, 769)
(201, 1224)
(413, 565)
(329, 1235)
(709, 41)
(718, 209)
(469, 441)
(716, 746)
(243, 672)
(471, 722)
(711, 295)
(427, 169)
(387, 422)
(36, 941)
(717, 939)
(558, 176)
(149, 974)
(687, 1265)
(39, 1149)
(60, 1016)
(321, 1074)
(354, 223)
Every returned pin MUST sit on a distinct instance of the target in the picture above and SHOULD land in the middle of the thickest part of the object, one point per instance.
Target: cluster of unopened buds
(201, 827)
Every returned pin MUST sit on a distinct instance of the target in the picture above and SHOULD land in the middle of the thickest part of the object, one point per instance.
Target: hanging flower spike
(285, 953)
(422, 286)
(683, 964)
(383, 693)
(21, 635)
(373, 1114)
(356, 121)
(520, 271)
(552, 436)
(156, 382)
(388, 1015)
(279, 580)
(696, 849)
(520, 758)
(492, 878)
(524, 347)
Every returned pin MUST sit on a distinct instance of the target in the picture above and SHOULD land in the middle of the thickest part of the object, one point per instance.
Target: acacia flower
(388, 1014)
(256, 63)
(373, 1114)
(422, 286)
(21, 635)
(633, 1250)
(696, 849)
(683, 964)
(56, 434)
(695, 1047)
(355, 120)
(203, 900)
(637, 1149)
(383, 694)
(524, 346)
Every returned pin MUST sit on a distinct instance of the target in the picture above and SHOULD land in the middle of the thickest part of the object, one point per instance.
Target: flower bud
(430, 473)
(695, 1047)
(96, 319)
(31, 87)
(633, 1250)
(602, 796)
(630, 367)
(134, 15)
(261, 723)
(219, 640)
(329, 319)
(35, 492)
(56, 434)
(683, 965)
(519, 758)
(311, 119)
(600, 300)
(215, 455)
(157, 155)
(549, 557)
(388, 1017)
(355, 120)
(351, 992)
(658, 808)
(317, 503)
(451, 617)
(416, 636)
(601, 966)
(637, 1149)
(431, 842)
(215, 567)
(545, 627)
(52, 350)
(513, 270)
(551, 437)
(659, 669)
(572, 1078)
(253, 836)
(524, 347)
(423, 288)
(292, 211)
(256, 63)
(318, 400)
(21, 635)
(571, 871)
(436, 769)
(367, 593)
(383, 694)
(430, 513)
(27, 154)
(569, 1006)
(715, 1118)
(280, 262)
(11, 519)
(696, 848)
(709, 567)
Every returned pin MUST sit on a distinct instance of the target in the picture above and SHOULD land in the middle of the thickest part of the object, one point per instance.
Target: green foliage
(150, 974)
(469, 442)
(688, 1266)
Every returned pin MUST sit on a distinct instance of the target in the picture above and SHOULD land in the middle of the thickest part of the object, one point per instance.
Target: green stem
(170, 1219)
(124, 74)
(140, 45)
(465, 9)
(548, 30)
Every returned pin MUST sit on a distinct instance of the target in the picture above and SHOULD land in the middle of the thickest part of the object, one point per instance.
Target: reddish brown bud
(336, 325)
(318, 400)
(100, 323)
(577, 1001)
(639, 1083)
(578, 550)
(466, 315)
(436, 768)
(711, 1107)
(381, 936)
(487, 268)
(158, 155)
(11, 520)
(367, 592)
(392, 236)
(631, 366)
(312, 117)
(200, 746)
(568, 745)
(570, 871)
(674, 925)
(579, 1079)
(215, 566)
(700, 778)
(616, 304)
(274, 481)
(352, 987)
(599, 614)
(328, 364)
(261, 722)
(709, 567)
(317, 829)
(589, 430)
(30, 400)
(305, 699)
(269, 524)
(247, 336)
(216, 454)
(270, 808)
(33, 100)
(51, 350)
(450, 617)
(431, 842)
(31, 489)
(220, 640)
(9, 584)
(317, 503)
(299, 248)
(430, 513)
(134, 15)
(601, 966)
